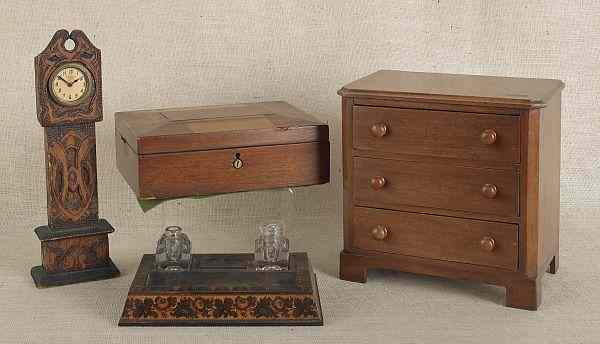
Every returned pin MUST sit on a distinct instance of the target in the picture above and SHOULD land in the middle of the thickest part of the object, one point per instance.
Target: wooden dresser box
(454, 176)
(179, 152)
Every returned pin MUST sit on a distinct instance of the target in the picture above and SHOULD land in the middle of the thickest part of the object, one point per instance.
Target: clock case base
(74, 255)
(43, 279)
(224, 290)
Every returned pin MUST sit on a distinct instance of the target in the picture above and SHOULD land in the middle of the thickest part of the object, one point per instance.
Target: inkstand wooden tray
(223, 289)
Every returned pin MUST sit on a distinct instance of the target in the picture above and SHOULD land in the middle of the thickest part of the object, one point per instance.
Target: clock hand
(76, 80)
(68, 83)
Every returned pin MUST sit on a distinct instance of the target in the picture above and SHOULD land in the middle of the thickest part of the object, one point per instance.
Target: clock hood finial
(58, 40)
(80, 38)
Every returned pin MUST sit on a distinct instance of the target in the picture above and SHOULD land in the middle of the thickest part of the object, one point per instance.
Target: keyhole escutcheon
(237, 162)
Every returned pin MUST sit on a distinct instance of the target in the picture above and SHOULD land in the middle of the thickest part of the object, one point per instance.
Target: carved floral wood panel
(71, 175)
(219, 307)
(75, 253)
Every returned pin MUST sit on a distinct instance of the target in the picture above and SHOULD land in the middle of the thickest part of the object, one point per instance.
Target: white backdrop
(182, 53)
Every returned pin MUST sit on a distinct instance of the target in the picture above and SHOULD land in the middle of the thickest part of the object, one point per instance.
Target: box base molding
(521, 292)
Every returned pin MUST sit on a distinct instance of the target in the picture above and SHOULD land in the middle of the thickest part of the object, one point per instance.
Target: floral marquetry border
(220, 307)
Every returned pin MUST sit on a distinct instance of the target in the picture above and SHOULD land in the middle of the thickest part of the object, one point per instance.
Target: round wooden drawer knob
(488, 243)
(489, 136)
(489, 190)
(378, 182)
(379, 129)
(379, 232)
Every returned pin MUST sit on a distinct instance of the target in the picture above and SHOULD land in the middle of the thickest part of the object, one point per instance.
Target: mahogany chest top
(455, 88)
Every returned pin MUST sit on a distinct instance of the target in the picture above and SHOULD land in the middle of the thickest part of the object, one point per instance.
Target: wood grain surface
(210, 172)
(437, 133)
(217, 126)
(438, 186)
(455, 88)
(436, 237)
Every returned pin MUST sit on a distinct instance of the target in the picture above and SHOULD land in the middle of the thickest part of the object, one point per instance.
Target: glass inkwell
(173, 250)
(271, 249)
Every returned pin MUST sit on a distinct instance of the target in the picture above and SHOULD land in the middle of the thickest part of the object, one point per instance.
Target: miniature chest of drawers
(454, 176)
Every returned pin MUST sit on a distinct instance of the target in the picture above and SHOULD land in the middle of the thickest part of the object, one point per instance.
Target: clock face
(71, 84)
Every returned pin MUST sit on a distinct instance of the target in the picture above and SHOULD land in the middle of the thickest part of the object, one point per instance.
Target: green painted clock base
(43, 279)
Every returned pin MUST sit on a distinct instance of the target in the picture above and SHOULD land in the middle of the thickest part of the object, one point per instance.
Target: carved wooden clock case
(69, 101)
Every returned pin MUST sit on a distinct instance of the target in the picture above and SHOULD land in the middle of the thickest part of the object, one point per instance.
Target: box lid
(217, 127)
(455, 88)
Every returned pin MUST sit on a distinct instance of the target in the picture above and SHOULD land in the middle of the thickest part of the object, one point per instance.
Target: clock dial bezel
(89, 79)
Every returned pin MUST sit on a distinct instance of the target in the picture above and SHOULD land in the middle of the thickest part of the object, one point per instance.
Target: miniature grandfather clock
(69, 101)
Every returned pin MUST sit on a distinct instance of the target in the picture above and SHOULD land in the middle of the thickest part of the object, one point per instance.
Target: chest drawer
(445, 134)
(385, 183)
(437, 237)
